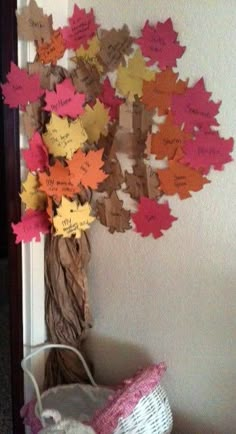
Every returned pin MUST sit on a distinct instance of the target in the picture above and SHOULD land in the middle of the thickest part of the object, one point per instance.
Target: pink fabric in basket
(123, 402)
(30, 419)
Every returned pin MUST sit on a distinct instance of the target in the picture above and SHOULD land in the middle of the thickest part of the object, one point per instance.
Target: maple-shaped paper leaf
(207, 150)
(50, 209)
(31, 118)
(95, 120)
(89, 55)
(180, 179)
(134, 117)
(128, 143)
(194, 108)
(51, 52)
(32, 225)
(112, 214)
(82, 28)
(115, 44)
(168, 139)
(158, 93)
(33, 24)
(142, 182)
(86, 79)
(71, 218)
(21, 88)
(114, 177)
(65, 101)
(159, 43)
(110, 100)
(31, 196)
(130, 79)
(152, 218)
(86, 169)
(63, 138)
(57, 183)
(49, 75)
(36, 157)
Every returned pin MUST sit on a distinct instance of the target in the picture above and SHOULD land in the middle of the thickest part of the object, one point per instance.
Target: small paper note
(86, 169)
(51, 52)
(31, 196)
(82, 28)
(65, 101)
(89, 55)
(115, 44)
(95, 120)
(152, 218)
(36, 157)
(86, 79)
(33, 24)
(31, 226)
(63, 138)
(142, 182)
(112, 214)
(57, 182)
(110, 100)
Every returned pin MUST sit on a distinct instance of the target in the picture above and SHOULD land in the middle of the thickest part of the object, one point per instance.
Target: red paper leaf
(110, 100)
(159, 43)
(206, 150)
(194, 108)
(36, 157)
(21, 88)
(86, 169)
(32, 224)
(65, 101)
(82, 28)
(152, 218)
(57, 183)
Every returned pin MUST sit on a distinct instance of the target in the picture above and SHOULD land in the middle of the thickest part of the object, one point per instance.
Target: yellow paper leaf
(89, 54)
(95, 121)
(130, 79)
(30, 196)
(71, 218)
(63, 138)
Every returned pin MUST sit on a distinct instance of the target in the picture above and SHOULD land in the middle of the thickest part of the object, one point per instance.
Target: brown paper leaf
(86, 79)
(31, 119)
(49, 75)
(106, 142)
(135, 118)
(129, 143)
(114, 180)
(112, 214)
(33, 24)
(115, 44)
(142, 182)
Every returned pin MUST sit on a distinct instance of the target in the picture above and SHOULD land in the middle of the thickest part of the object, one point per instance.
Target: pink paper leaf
(32, 224)
(110, 100)
(82, 28)
(152, 218)
(21, 88)
(65, 101)
(208, 150)
(194, 108)
(36, 157)
(160, 44)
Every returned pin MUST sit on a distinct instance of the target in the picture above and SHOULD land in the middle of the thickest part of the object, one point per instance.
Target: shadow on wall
(187, 424)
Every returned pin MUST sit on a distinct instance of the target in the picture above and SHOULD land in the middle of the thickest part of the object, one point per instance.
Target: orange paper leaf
(86, 169)
(53, 51)
(57, 183)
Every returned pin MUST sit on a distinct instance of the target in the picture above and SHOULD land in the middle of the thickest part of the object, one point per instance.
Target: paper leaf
(110, 100)
(158, 93)
(72, 219)
(134, 117)
(82, 28)
(49, 75)
(89, 55)
(50, 210)
(128, 143)
(32, 224)
(159, 43)
(21, 88)
(130, 79)
(95, 120)
(63, 138)
(31, 118)
(181, 180)
(36, 157)
(86, 79)
(114, 179)
(57, 183)
(33, 25)
(65, 101)
(112, 214)
(142, 182)
(168, 139)
(208, 150)
(115, 44)
(152, 218)
(85, 169)
(194, 108)
(30, 196)
(51, 52)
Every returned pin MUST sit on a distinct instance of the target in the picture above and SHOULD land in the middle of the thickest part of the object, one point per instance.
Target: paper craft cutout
(89, 55)
(57, 182)
(33, 25)
(114, 177)
(50, 210)
(194, 108)
(129, 143)
(36, 157)
(110, 100)
(85, 169)
(72, 219)
(31, 118)
(63, 138)
(21, 88)
(86, 79)
(135, 118)
(82, 28)
(49, 75)
(152, 218)
(30, 196)
(208, 150)
(65, 101)
(95, 120)
(115, 44)
(142, 182)
(181, 180)
(32, 224)
(159, 43)
(51, 52)
(168, 139)
(130, 78)
(112, 214)
(106, 143)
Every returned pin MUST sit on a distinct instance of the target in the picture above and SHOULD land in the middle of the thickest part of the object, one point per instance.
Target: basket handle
(32, 377)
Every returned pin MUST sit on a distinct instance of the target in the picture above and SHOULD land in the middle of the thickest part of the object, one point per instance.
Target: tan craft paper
(89, 55)
(112, 214)
(86, 79)
(135, 118)
(115, 44)
(142, 182)
(31, 118)
(33, 24)
(115, 177)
